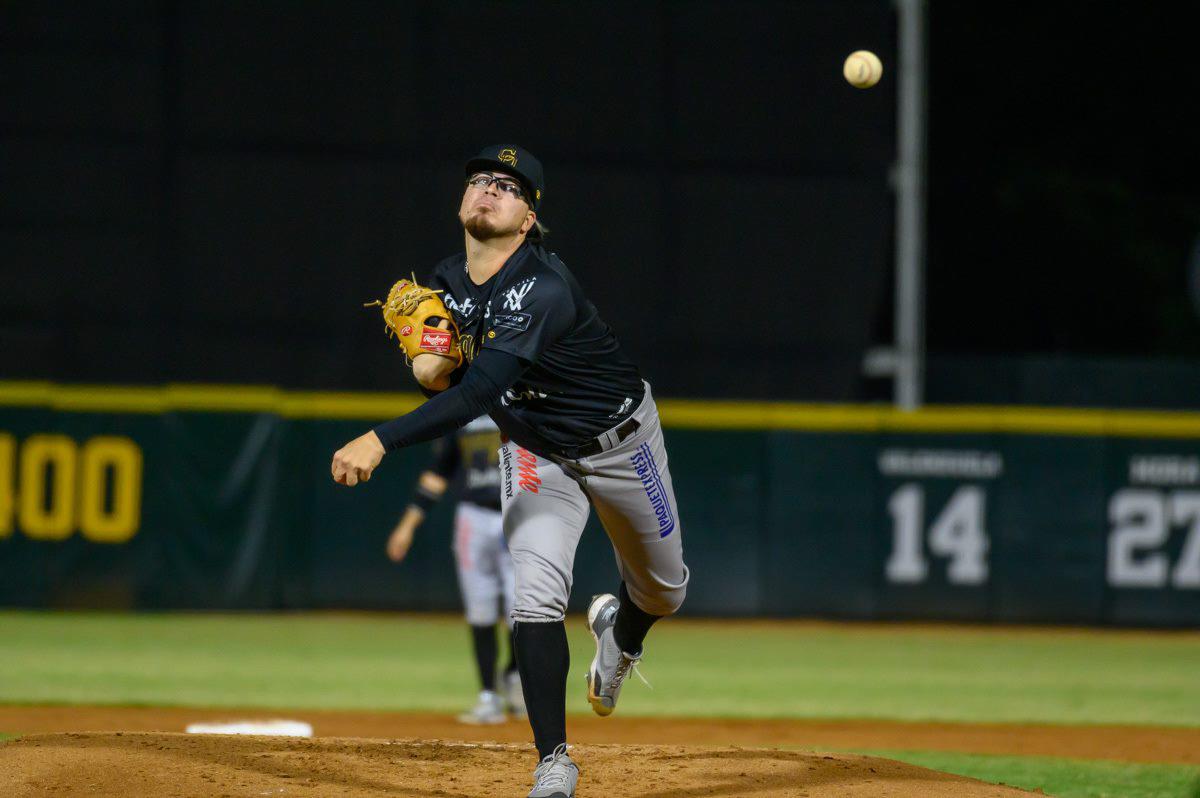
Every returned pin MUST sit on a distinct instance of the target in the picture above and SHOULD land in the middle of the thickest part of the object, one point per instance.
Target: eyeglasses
(483, 180)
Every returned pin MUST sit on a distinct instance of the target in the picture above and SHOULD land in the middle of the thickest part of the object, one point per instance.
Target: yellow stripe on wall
(677, 413)
(983, 419)
(206, 399)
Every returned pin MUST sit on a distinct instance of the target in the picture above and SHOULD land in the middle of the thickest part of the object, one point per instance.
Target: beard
(483, 227)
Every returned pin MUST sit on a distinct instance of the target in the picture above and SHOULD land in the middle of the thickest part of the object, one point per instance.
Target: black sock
(544, 658)
(483, 640)
(632, 624)
(512, 652)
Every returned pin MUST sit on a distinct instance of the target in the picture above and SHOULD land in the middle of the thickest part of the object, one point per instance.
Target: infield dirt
(1177, 745)
(136, 753)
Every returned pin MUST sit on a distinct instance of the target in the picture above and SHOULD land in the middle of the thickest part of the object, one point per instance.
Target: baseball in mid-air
(862, 69)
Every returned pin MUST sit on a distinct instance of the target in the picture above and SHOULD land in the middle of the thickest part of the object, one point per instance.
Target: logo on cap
(508, 155)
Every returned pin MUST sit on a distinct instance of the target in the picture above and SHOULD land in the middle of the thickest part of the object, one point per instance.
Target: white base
(280, 728)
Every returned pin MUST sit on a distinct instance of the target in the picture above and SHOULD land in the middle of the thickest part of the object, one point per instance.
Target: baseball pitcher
(505, 329)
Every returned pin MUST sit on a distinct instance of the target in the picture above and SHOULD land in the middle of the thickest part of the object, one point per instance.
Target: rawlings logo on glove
(418, 318)
(434, 340)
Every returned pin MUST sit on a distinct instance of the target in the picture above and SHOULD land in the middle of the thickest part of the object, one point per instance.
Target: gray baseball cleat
(556, 776)
(611, 665)
(488, 710)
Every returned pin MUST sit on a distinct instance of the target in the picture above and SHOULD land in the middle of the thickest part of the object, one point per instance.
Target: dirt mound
(1127, 743)
(131, 765)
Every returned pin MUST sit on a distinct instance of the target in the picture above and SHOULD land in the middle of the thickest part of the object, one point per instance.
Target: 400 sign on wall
(52, 487)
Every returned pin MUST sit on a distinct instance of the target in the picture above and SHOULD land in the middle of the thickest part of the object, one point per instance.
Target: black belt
(596, 445)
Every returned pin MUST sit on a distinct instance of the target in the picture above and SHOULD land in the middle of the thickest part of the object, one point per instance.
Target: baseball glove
(418, 318)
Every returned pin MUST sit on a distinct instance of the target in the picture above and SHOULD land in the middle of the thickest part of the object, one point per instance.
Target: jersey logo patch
(469, 346)
(514, 321)
(647, 471)
(435, 340)
(514, 296)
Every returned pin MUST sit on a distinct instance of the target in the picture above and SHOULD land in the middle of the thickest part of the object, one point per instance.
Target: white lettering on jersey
(511, 396)
(514, 295)
(465, 309)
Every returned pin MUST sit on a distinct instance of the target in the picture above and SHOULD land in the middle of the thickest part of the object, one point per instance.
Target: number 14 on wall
(957, 534)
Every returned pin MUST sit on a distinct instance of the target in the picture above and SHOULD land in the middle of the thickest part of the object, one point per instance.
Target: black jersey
(579, 382)
(471, 459)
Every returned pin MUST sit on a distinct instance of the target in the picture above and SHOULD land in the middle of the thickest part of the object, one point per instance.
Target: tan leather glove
(420, 321)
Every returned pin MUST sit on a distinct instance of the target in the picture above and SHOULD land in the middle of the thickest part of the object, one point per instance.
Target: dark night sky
(1064, 178)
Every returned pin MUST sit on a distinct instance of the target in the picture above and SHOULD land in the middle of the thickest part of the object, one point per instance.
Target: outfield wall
(211, 497)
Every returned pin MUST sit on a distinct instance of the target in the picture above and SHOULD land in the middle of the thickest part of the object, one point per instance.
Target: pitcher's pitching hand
(354, 462)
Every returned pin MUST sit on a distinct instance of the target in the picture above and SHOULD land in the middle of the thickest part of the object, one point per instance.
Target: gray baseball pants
(545, 505)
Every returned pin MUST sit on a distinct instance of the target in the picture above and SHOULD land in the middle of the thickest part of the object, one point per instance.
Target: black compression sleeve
(490, 374)
(424, 498)
(423, 501)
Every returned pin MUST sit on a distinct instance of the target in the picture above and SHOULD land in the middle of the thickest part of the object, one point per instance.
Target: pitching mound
(135, 765)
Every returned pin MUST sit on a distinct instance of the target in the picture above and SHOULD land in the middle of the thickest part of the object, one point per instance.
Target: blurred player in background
(485, 570)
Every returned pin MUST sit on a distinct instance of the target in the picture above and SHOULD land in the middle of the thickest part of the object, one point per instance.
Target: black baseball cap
(516, 161)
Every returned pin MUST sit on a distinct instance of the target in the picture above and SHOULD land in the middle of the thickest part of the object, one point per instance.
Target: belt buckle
(596, 445)
(586, 449)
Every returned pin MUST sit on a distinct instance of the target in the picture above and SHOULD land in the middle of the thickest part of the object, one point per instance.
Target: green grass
(733, 669)
(388, 662)
(930, 673)
(1066, 778)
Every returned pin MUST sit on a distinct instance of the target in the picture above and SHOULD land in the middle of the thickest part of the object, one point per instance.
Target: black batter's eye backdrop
(209, 191)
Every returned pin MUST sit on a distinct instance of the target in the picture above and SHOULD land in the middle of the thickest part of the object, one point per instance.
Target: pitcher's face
(494, 205)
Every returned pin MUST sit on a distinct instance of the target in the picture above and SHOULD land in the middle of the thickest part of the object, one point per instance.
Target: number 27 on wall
(1141, 527)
